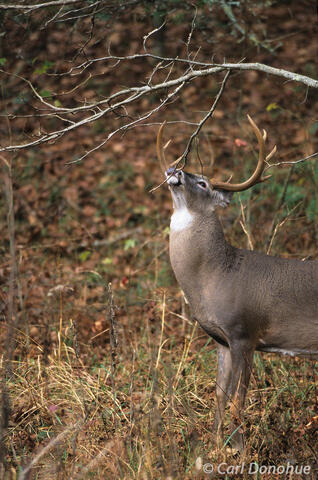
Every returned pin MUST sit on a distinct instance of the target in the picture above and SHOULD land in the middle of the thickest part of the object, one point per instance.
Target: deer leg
(223, 384)
(242, 360)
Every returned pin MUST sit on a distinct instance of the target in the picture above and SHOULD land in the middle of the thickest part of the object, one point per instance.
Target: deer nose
(171, 170)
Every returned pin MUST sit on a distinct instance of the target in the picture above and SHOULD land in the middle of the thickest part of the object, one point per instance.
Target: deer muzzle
(174, 177)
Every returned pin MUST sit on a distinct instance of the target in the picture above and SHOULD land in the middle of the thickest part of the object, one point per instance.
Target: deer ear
(221, 197)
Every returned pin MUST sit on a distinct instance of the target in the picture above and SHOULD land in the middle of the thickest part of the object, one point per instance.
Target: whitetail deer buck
(244, 300)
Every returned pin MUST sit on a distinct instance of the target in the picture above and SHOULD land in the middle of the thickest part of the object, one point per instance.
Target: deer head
(175, 176)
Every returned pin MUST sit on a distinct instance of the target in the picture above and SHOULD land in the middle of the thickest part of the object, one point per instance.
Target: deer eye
(202, 184)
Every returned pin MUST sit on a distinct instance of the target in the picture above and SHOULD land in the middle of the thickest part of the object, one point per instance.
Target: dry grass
(150, 418)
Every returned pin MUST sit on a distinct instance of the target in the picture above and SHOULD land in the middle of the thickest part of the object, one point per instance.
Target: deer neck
(197, 247)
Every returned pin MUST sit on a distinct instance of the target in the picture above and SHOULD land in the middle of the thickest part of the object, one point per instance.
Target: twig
(12, 317)
(259, 67)
(39, 5)
(113, 335)
(279, 206)
(145, 37)
(196, 132)
(129, 125)
(204, 119)
(245, 228)
(190, 35)
(133, 94)
(252, 37)
(161, 343)
(279, 225)
(52, 443)
(291, 162)
(136, 93)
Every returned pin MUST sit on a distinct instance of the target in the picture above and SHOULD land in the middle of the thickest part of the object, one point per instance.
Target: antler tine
(175, 162)
(269, 156)
(161, 149)
(256, 177)
(264, 135)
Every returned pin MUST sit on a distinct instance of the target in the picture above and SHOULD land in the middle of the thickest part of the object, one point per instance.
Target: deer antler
(161, 149)
(256, 177)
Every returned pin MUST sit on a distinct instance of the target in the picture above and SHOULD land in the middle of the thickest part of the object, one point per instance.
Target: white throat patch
(181, 219)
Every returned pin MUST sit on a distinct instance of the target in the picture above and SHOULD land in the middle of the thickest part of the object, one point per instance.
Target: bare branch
(260, 67)
(252, 37)
(292, 162)
(204, 119)
(40, 5)
(129, 125)
(52, 443)
(145, 37)
(134, 93)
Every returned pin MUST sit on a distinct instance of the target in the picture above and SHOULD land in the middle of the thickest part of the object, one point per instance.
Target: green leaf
(43, 68)
(129, 243)
(84, 255)
(166, 231)
(272, 106)
(3, 61)
(45, 94)
(107, 261)
(313, 128)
